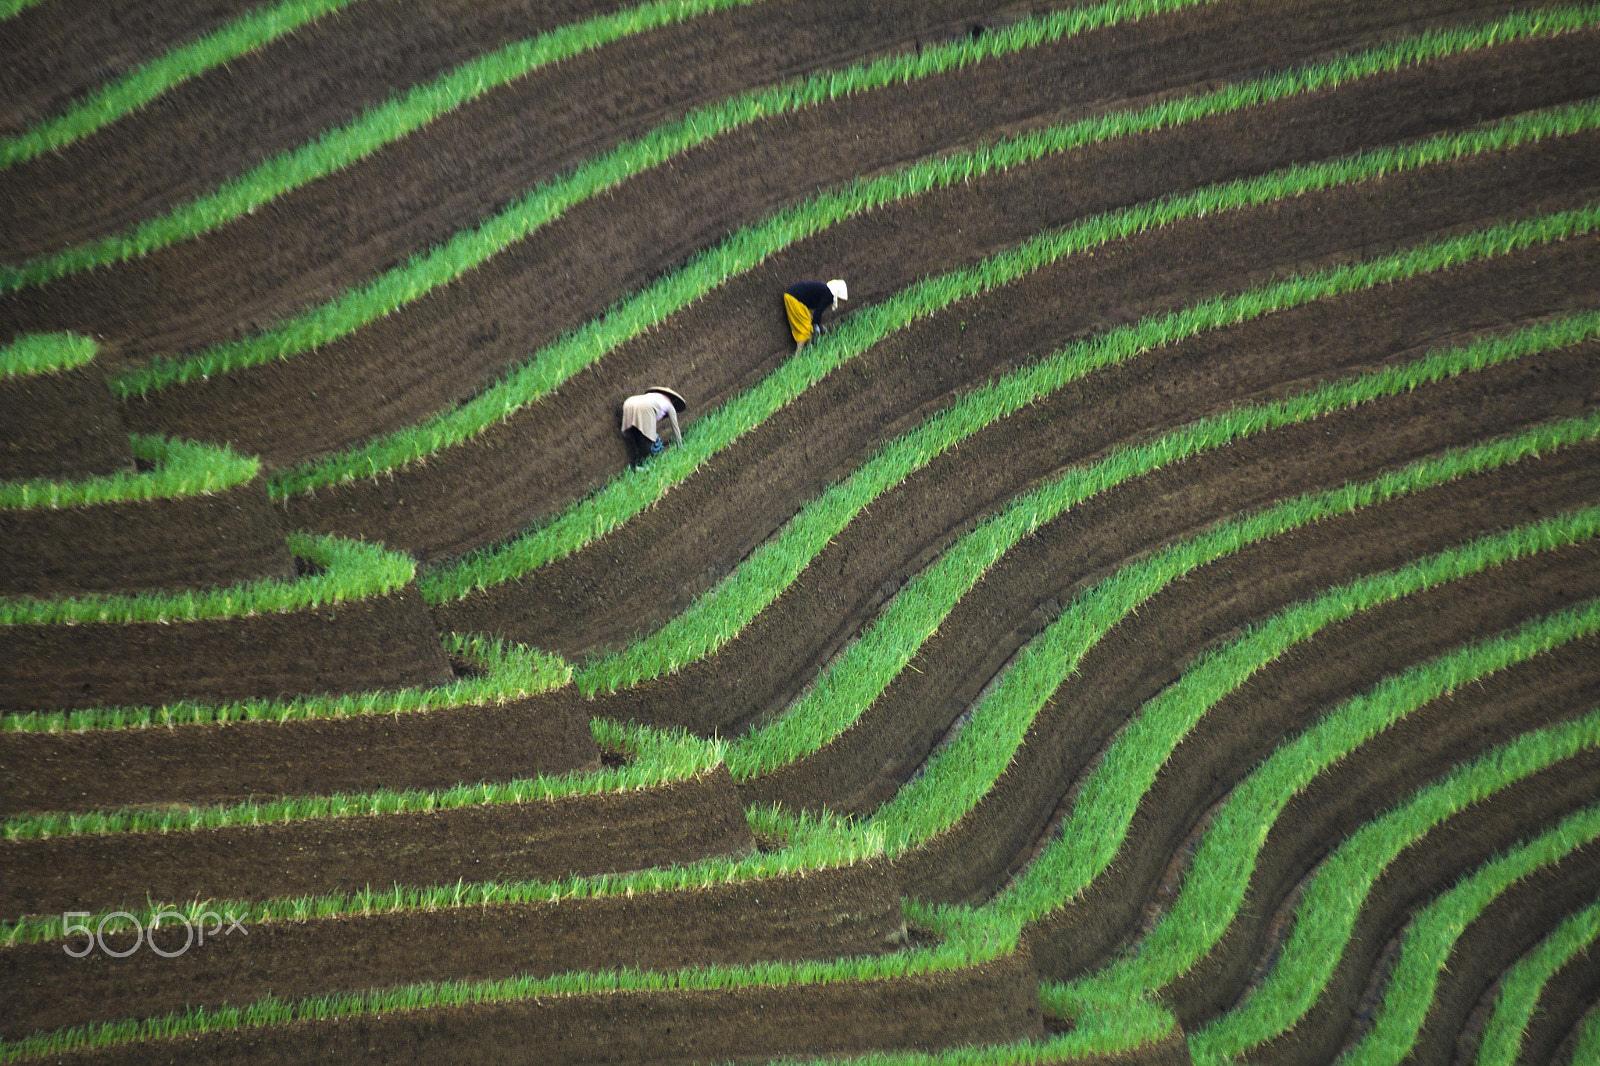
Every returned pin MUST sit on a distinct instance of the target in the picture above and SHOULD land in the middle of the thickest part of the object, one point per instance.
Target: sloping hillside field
(1156, 622)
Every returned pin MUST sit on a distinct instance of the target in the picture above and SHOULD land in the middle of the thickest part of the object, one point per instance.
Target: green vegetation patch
(1519, 994)
(180, 468)
(634, 490)
(131, 92)
(350, 570)
(502, 673)
(31, 354)
(747, 248)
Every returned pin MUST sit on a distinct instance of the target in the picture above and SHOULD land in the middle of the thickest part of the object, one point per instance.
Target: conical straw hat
(677, 401)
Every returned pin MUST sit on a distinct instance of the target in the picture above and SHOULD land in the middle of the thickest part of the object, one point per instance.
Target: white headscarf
(840, 292)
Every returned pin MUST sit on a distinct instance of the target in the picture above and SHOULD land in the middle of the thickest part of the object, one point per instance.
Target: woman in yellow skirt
(808, 301)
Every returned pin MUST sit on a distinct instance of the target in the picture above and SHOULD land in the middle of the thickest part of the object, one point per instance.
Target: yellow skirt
(799, 318)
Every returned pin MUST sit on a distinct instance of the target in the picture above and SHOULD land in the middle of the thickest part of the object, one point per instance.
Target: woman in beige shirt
(641, 413)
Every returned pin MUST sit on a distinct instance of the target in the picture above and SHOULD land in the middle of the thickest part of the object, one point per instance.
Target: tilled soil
(375, 642)
(54, 53)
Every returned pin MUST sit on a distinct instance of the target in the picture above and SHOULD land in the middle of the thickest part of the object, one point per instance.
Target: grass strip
(636, 489)
(857, 678)
(181, 468)
(547, 200)
(350, 570)
(720, 614)
(1518, 1000)
(658, 757)
(1323, 921)
(1222, 868)
(9, 8)
(502, 673)
(748, 247)
(137, 88)
(1432, 935)
(31, 354)
(341, 146)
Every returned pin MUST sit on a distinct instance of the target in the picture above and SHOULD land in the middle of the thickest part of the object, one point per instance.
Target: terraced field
(1158, 622)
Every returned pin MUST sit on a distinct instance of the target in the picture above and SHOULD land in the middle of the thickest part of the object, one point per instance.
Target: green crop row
(636, 489)
(747, 248)
(546, 201)
(180, 468)
(45, 353)
(969, 937)
(137, 88)
(1518, 998)
(350, 570)
(503, 674)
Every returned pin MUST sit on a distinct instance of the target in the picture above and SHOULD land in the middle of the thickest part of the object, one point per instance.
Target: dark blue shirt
(814, 294)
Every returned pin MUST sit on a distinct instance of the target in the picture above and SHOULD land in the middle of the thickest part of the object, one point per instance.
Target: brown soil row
(55, 52)
(1290, 695)
(1514, 923)
(566, 444)
(387, 375)
(201, 765)
(62, 425)
(197, 135)
(1426, 746)
(995, 1003)
(536, 840)
(175, 543)
(1569, 994)
(1427, 870)
(977, 855)
(376, 642)
(309, 246)
(822, 914)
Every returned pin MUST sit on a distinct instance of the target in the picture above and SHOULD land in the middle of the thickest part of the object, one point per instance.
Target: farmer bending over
(807, 302)
(640, 415)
